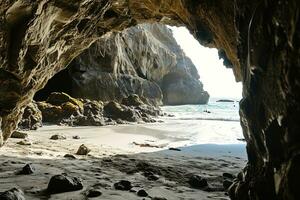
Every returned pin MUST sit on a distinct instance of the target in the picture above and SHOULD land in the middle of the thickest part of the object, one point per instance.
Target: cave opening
(196, 130)
(261, 40)
(60, 82)
(198, 87)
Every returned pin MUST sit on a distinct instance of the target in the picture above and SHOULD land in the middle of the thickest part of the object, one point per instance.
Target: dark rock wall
(137, 60)
(259, 39)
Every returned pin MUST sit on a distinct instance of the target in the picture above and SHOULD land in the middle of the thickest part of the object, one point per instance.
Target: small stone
(150, 176)
(70, 156)
(93, 193)
(142, 193)
(174, 149)
(158, 198)
(196, 181)
(64, 183)
(58, 137)
(25, 142)
(83, 150)
(123, 185)
(19, 135)
(76, 137)
(12, 194)
(27, 169)
(227, 184)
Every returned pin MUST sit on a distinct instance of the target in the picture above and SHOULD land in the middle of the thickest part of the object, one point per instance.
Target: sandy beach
(123, 152)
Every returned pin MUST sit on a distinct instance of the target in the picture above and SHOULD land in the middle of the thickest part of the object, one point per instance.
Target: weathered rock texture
(60, 108)
(259, 39)
(137, 61)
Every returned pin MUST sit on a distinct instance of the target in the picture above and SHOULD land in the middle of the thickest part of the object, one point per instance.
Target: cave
(260, 40)
(60, 82)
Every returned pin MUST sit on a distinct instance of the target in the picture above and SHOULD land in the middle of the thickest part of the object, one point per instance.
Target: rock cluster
(61, 108)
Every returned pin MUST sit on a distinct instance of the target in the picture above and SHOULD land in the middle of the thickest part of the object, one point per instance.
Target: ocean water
(219, 111)
(214, 123)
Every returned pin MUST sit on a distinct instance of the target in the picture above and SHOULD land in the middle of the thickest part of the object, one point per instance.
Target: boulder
(31, 118)
(27, 169)
(12, 194)
(93, 193)
(64, 183)
(58, 137)
(198, 182)
(123, 185)
(142, 193)
(59, 98)
(19, 135)
(115, 111)
(132, 100)
(83, 150)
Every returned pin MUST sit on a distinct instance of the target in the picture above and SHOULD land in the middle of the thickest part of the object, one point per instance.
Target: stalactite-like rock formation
(260, 40)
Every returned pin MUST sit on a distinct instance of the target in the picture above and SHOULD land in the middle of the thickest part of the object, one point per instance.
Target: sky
(216, 78)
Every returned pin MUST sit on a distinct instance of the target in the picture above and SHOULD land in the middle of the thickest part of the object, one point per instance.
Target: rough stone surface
(83, 150)
(196, 181)
(19, 135)
(93, 193)
(31, 118)
(25, 142)
(123, 185)
(137, 60)
(142, 193)
(27, 169)
(63, 183)
(58, 137)
(12, 194)
(85, 112)
(260, 40)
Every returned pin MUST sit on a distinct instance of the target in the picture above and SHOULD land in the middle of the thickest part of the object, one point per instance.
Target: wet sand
(116, 156)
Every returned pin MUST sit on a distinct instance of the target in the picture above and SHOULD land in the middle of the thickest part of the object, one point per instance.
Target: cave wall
(260, 40)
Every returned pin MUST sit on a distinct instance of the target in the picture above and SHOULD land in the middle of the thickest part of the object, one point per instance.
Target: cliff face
(145, 60)
(260, 40)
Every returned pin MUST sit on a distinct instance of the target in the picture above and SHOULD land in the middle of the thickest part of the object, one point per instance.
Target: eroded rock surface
(259, 39)
(61, 108)
(144, 60)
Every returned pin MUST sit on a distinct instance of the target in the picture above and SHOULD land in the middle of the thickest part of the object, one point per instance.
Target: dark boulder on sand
(19, 135)
(64, 183)
(123, 185)
(27, 169)
(83, 150)
(12, 194)
(198, 182)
